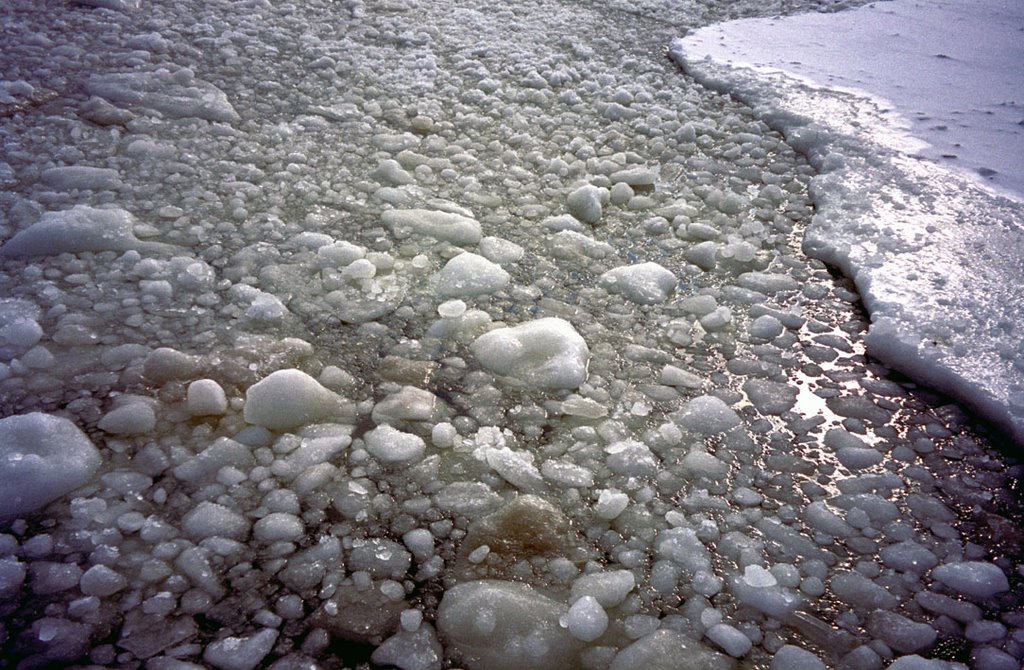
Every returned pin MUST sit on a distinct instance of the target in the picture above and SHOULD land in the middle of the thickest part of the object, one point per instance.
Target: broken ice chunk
(515, 466)
(223, 453)
(500, 250)
(42, 457)
(759, 589)
(470, 499)
(391, 446)
(102, 581)
(133, 415)
(469, 274)
(610, 504)
(631, 458)
(675, 376)
(859, 592)
(381, 558)
(391, 172)
(78, 229)
(586, 619)
(902, 634)
(408, 404)
(608, 588)
(975, 579)
(765, 327)
(706, 415)
(444, 226)
(683, 547)
(240, 653)
(643, 283)
(503, 625)
(210, 519)
(669, 650)
(18, 332)
(585, 203)
(81, 177)
(416, 649)
(176, 95)
(791, 657)
(767, 282)
(730, 639)
(115, 5)
(545, 353)
(279, 527)
(287, 399)
(525, 527)
(770, 397)
(205, 397)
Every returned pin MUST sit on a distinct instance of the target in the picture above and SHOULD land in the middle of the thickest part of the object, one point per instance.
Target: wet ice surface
(936, 258)
(375, 330)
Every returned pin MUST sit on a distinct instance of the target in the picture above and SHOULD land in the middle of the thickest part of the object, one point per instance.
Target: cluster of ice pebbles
(405, 334)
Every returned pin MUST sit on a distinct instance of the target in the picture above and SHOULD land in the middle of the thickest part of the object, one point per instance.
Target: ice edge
(921, 323)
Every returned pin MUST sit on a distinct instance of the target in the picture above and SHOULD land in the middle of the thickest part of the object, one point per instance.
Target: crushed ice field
(451, 335)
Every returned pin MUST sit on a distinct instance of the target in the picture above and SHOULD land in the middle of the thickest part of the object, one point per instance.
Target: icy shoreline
(935, 254)
(450, 334)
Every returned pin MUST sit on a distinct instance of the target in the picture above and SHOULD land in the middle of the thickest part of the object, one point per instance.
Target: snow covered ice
(459, 335)
(903, 102)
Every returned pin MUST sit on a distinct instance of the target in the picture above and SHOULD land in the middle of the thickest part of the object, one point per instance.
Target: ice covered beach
(898, 105)
(457, 335)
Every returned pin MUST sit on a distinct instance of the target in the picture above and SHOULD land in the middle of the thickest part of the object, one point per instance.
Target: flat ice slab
(935, 253)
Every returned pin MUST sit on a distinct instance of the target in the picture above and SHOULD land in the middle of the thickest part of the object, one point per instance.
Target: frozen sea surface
(906, 108)
(437, 334)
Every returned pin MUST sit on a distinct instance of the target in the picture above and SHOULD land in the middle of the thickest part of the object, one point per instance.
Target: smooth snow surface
(895, 103)
(950, 72)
